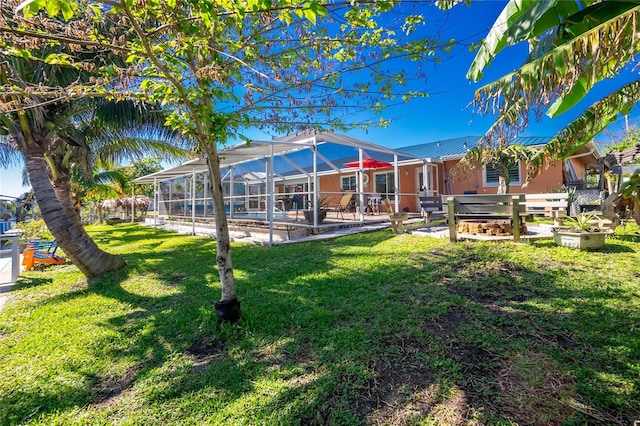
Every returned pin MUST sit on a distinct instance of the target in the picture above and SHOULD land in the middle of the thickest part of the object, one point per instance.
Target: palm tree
(114, 183)
(502, 158)
(102, 186)
(573, 45)
(57, 139)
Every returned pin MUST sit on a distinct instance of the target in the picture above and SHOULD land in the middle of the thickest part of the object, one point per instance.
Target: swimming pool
(259, 215)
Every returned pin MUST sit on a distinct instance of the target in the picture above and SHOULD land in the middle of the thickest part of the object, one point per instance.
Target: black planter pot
(227, 310)
(308, 214)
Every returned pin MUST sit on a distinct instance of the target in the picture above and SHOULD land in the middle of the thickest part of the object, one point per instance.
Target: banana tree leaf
(569, 100)
(592, 17)
(521, 20)
(542, 16)
(496, 39)
(594, 120)
(448, 4)
(571, 70)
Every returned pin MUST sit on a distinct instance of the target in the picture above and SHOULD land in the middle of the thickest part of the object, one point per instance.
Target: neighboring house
(421, 169)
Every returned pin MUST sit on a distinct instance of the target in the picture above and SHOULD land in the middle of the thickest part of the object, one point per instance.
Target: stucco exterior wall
(549, 180)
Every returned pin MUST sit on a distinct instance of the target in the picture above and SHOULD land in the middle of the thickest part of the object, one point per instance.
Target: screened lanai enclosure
(288, 183)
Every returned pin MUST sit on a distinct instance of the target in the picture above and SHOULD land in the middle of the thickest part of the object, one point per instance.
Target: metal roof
(293, 156)
(442, 148)
(457, 147)
(288, 151)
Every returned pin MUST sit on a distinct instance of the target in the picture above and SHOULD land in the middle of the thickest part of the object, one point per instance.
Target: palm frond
(9, 155)
(134, 144)
(126, 114)
(111, 177)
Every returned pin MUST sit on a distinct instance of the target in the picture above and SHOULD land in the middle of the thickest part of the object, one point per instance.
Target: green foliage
(581, 222)
(32, 230)
(631, 188)
(363, 329)
(268, 58)
(631, 139)
(573, 45)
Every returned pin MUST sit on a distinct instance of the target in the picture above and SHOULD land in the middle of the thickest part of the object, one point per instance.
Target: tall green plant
(501, 156)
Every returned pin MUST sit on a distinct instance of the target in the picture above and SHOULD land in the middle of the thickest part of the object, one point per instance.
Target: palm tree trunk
(77, 245)
(99, 211)
(62, 189)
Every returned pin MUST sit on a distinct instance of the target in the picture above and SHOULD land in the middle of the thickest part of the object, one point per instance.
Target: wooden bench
(41, 252)
(486, 208)
(429, 206)
(552, 204)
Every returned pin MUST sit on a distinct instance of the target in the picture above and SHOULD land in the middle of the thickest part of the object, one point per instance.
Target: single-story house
(304, 167)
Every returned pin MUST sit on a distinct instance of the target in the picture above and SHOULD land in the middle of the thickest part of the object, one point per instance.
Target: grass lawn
(365, 329)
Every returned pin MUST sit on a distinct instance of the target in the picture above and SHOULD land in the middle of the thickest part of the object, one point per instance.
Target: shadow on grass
(29, 282)
(363, 329)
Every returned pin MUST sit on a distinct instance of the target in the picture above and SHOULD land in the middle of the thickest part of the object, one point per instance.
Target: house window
(349, 183)
(491, 175)
(385, 184)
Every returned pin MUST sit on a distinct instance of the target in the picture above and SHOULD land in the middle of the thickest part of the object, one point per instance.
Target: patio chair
(41, 252)
(395, 218)
(373, 203)
(344, 205)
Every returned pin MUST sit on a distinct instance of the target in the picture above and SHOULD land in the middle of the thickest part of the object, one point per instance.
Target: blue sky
(445, 113)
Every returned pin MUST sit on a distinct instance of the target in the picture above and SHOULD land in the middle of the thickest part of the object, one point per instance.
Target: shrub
(33, 230)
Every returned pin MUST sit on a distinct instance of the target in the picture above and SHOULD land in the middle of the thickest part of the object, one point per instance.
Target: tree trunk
(502, 185)
(99, 210)
(503, 178)
(62, 189)
(223, 255)
(77, 245)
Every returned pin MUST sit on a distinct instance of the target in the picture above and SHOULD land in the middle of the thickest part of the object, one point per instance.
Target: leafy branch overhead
(278, 66)
(573, 45)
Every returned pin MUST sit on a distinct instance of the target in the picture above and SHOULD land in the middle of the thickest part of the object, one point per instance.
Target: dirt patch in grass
(406, 396)
(203, 351)
(473, 359)
(517, 323)
(445, 326)
(405, 389)
(112, 388)
(206, 347)
(535, 390)
(177, 279)
(397, 377)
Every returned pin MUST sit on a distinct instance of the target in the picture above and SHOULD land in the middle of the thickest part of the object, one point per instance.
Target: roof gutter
(584, 154)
